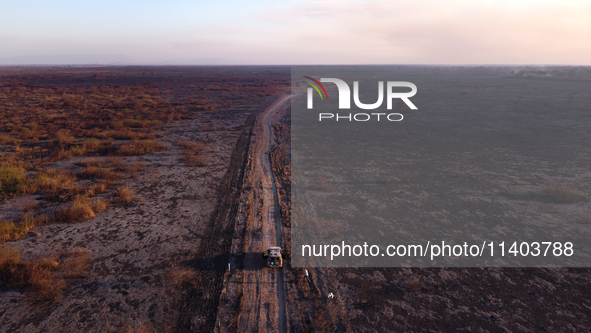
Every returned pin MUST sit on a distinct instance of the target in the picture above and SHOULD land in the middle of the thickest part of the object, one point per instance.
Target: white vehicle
(274, 256)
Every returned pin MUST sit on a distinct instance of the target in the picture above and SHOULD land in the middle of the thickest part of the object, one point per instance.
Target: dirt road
(255, 294)
(274, 212)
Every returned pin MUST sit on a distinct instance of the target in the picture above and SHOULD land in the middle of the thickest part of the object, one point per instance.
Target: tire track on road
(256, 294)
(276, 216)
(198, 305)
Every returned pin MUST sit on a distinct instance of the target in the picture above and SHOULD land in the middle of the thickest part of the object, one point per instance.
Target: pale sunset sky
(285, 32)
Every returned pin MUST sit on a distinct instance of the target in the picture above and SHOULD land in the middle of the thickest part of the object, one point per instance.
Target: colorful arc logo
(315, 87)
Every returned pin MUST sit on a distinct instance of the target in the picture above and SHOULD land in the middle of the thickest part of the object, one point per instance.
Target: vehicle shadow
(252, 261)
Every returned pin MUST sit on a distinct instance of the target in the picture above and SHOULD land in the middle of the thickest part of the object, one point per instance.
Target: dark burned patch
(492, 299)
(140, 235)
(237, 261)
(215, 263)
(91, 288)
(114, 306)
(43, 310)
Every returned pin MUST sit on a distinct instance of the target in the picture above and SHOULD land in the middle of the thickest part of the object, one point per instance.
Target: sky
(287, 32)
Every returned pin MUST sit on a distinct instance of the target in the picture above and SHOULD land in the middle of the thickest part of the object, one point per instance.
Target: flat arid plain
(140, 199)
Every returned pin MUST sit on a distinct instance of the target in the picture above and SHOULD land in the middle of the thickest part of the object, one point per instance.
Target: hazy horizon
(458, 32)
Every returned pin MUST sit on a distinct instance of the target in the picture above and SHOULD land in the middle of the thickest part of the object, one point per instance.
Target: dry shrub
(193, 154)
(140, 147)
(75, 264)
(79, 210)
(10, 230)
(92, 172)
(44, 282)
(13, 230)
(63, 138)
(57, 185)
(97, 188)
(117, 163)
(124, 196)
(135, 123)
(563, 193)
(133, 168)
(120, 165)
(98, 206)
(70, 101)
(91, 144)
(8, 257)
(63, 154)
(28, 134)
(118, 103)
(414, 283)
(37, 275)
(193, 146)
(184, 278)
(13, 179)
(93, 162)
(125, 134)
(6, 139)
(51, 179)
(77, 150)
(196, 160)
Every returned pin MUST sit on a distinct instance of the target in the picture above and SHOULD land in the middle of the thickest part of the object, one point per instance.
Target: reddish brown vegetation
(46, 276)
(194, 153)
(124, 196)
(140, 148)
(77, 111)
(50, 115)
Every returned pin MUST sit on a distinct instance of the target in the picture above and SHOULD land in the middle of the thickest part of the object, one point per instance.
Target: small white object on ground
(330, 296)
(305, 272)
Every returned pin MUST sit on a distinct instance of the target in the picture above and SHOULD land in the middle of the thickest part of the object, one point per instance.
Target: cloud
(355, 32)
(459, 32)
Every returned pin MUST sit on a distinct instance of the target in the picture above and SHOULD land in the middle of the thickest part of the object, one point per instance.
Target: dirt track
(255, 295)
(201, 297)
(273, 210)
